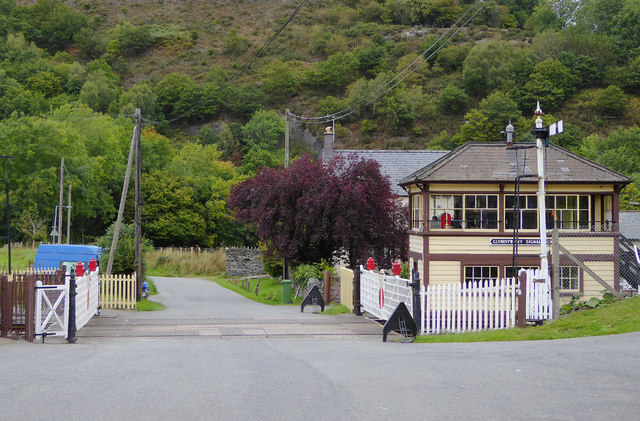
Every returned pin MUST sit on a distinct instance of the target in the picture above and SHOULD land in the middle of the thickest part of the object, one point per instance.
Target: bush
(302, 273)
(612, 101)
(124, 260)
(453, 100)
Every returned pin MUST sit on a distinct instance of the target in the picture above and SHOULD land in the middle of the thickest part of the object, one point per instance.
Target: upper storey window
(463, 211)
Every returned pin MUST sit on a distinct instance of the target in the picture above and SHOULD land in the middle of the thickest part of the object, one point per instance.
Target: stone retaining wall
(243, 261)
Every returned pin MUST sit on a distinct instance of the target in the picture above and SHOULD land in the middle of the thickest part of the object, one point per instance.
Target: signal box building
(462, 213)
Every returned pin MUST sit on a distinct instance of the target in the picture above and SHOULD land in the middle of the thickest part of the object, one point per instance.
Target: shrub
(612, 101)
(301, 276)
(453, 100)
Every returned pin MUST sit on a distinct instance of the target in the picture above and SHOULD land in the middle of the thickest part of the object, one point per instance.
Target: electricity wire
(408, 70)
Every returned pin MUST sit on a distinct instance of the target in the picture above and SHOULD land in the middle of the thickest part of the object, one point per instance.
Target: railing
(493, 225)
(118, 292)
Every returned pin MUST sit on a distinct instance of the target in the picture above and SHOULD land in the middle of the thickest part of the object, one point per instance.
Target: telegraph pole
(123, 200)
(69, 216)
(285, 263)
(286, 139)
(6, 186)
(138, 206)
(61, 198)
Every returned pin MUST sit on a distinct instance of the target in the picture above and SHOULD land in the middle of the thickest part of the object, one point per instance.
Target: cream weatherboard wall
(444, 272)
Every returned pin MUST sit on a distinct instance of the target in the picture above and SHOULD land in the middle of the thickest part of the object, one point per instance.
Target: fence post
(521, 315)
(29, 307)
(357, 307)
(7, 306)
(326, 291)
(71, 329)
(555, 279)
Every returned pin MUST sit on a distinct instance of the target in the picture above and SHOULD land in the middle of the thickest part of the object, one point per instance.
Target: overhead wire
(390, 84)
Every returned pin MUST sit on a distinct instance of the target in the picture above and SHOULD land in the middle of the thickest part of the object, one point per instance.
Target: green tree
(551, 83)
(179, 96)
(543, 18)
(265, 130)
(335, 73)
(453, 100)
(51, 24)
(171, 216)
(132, 39)
(90, 43)
(256, 159)
(279, 81)
(140, 96)
(494, 65)
(124, 259)
(235, 44)
(434, 12)
(612, 101)
(499, 109)
(99, 91)
(618, 151)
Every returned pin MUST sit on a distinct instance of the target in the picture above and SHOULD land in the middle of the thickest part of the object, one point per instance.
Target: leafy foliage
(313, 211)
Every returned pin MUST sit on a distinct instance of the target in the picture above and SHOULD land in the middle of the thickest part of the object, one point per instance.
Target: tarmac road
(339, 377)
(201, 308)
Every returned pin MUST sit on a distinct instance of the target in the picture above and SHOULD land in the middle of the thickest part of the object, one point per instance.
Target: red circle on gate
(381, 297)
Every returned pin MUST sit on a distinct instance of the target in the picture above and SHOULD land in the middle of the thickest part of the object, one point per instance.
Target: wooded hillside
(213, 79)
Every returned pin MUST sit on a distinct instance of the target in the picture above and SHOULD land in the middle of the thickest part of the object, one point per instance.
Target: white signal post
(542, 206)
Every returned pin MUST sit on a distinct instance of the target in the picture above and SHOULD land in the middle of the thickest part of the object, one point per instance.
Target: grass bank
(185, 262)
(619, 317)
(269, 291)
(21, 257)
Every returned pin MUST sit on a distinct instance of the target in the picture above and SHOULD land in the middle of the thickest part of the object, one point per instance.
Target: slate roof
(396, 164)
(630, 224)
(493, 162)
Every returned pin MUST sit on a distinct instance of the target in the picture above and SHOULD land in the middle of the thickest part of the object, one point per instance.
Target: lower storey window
(509, 273)
(569, 278)
(480, 273)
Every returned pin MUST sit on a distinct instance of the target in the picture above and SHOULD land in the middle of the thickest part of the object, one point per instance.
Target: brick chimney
(328, 151)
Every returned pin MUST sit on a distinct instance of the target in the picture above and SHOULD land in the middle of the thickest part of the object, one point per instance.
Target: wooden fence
(13, 308)
(118, 292)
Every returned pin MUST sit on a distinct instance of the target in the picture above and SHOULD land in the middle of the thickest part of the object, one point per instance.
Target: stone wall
(243, 261)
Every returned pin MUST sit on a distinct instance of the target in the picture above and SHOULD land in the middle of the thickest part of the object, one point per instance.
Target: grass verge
(336, 308)
(21, 257)
(147, 305)
(188, 263)
(269, 292)
(619, 317)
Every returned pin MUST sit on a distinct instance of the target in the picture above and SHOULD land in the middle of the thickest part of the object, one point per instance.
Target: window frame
(460, 211)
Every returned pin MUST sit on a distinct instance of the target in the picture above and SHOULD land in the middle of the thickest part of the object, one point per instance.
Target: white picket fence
(452, 308)
(456, 308)
(380, 294)
(52, 305)
(538, 295)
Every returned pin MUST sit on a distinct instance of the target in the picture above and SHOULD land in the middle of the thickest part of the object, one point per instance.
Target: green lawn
(20, 257)
(618, 317)
(269, 292)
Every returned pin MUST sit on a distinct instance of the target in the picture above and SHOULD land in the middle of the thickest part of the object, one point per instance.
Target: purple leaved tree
(319, 210)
